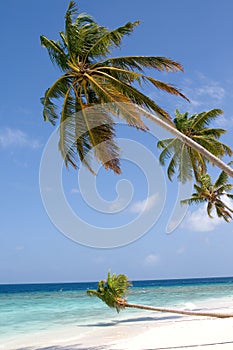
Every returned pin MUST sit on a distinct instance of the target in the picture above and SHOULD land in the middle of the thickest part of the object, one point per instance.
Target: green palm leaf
(109, 39)
(221, 180)
(193, 200)
(56, 53)
(203, 119)
(212, 132)
(141, 62)
(168, 146)
(166, 87)
(185, 169)
(209, 209)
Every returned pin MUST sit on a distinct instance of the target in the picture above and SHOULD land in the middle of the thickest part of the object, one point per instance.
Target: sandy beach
(145, 334)
(185, 334)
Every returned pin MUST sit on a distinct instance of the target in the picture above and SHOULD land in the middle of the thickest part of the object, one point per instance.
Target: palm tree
(91, 77)
(211, 193)
(115, 288)
(184, 158)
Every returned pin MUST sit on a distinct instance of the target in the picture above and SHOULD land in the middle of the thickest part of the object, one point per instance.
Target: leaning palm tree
(90, 77)
(214, 194)
(113, 291)
(185, 159)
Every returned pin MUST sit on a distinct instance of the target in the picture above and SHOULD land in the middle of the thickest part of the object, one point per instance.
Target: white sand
(204, 334)
(186, 333)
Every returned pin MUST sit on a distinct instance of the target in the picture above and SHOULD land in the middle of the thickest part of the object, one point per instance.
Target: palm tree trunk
(188, 141)
(182, 312)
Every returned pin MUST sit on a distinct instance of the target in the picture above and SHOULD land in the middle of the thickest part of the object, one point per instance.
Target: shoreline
(132, 330)
(137, 333)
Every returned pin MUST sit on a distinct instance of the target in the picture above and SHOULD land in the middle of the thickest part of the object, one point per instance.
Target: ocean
(32, 311)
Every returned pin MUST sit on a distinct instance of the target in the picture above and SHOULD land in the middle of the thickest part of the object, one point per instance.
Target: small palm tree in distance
(214, 194)
(114, 289)
(186, 160)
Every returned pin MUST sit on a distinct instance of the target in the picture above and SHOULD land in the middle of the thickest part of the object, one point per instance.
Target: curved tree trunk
(188, 141)
(182, 312)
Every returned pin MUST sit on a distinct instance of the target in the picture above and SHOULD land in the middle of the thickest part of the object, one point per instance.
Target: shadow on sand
(67, 347)
(129, 320)
(106, 347)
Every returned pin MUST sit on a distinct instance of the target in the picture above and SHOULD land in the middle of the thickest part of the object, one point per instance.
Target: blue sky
(195, 33)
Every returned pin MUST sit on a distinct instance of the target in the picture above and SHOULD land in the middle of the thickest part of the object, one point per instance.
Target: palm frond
(57, 90)
(221, 180)
(185, 168)
(122, 74)
(213, 132)
(87, 36)
(69, 28)
(209, 209)
(193, 200)
(102, 138)
(203, 119)
(135, 96)
(66, 142)
(89, 131)
(55, 51)
(222, 213)
(122, 105)
(109, 39)
(228, 150)
(200, 189)
(83, 19)
(166, 87)
(224, 188)
(79, 33)
(197, 163)
(164, 143)
(206, 181)
(172, 166)
(168, 149)
(211, 144)
(141, 62)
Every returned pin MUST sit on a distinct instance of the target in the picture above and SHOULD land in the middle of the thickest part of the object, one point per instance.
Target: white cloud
(212, 90)
(151, 260)
(200, 221)
(222, 121)
(203, 93)
(15, 137)
(118, 205)
(196, 103)
(145, 204)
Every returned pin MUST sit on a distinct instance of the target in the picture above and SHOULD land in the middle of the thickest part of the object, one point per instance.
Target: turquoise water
(32, 309)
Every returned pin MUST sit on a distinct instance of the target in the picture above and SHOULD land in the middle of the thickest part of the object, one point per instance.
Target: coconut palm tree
(113, 291)
(187, 160)
(214, 195)
(90, 76)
